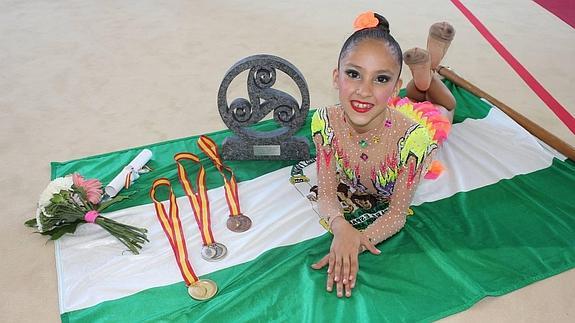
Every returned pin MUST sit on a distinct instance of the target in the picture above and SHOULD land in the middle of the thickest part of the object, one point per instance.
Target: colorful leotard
(370, 178)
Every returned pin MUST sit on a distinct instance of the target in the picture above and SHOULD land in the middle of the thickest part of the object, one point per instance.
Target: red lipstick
(360, 107)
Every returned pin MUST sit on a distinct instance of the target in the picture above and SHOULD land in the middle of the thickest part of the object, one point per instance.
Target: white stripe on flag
(481, 152)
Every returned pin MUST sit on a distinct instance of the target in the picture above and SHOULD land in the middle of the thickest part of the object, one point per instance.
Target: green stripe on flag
(451, 253)
(468, 105)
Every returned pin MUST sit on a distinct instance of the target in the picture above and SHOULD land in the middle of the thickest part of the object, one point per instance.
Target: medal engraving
(203, 289)
(239, 223)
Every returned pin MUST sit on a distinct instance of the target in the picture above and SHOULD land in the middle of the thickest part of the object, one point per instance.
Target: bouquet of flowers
(72, 200)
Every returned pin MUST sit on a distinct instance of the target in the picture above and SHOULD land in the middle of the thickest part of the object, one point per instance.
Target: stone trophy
(241, 114)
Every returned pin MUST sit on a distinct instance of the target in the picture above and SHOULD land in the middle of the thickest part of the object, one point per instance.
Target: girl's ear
(398, 85)
(336, 78)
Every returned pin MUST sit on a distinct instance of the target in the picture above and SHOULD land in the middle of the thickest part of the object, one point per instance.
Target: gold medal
(200, 289)
(203, 289)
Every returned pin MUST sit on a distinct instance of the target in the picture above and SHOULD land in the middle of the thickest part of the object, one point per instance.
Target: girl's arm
(394, 219)
(342, 257)
(327, 181)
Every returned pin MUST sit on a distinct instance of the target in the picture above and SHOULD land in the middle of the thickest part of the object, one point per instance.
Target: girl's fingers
(337, 269)
(330, 270)
(331, 262)
(345, 270)
(366, 243)
(321, 263)
(354, 268)
(339, 289)
(348, 290)
(329, 283)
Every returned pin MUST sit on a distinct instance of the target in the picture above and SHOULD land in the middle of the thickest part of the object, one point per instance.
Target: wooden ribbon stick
(535, 129)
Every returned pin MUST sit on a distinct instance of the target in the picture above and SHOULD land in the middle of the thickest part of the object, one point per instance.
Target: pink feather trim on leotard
(425, 113)
(429, 116)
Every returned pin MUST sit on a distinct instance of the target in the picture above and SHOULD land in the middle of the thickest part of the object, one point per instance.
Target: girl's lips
(361, 107)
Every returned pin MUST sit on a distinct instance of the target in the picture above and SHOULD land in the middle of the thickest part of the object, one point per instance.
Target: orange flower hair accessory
(365, 20)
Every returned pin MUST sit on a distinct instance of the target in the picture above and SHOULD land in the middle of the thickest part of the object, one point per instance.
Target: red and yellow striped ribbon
(199, 199)
(209, 147)
(128, 180)
(173, 229)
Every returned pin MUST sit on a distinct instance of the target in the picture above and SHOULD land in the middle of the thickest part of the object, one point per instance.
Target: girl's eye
(352, 74)
(382, 79)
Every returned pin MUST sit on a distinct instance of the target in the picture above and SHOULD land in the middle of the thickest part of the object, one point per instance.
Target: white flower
(54, 187)
(46, 214)
(38, 223)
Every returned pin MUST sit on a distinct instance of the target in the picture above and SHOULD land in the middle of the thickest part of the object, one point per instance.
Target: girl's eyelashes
(352, 73)
(382, 79)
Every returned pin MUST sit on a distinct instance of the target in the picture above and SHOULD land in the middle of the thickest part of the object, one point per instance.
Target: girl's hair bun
(370, 25)
(383, 23)
(371, 20)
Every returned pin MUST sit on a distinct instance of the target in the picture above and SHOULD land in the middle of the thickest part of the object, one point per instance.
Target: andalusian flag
(500, 217)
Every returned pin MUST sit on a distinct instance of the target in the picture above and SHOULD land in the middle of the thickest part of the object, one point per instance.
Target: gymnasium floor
(79, 78)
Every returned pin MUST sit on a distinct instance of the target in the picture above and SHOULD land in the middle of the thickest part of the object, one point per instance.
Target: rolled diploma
(133, 167)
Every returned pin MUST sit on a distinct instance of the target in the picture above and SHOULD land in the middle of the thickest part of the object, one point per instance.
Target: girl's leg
(425, 85)
(440, 36)
(439, 94)
(419, 62)
(413, 93)
(434, 90)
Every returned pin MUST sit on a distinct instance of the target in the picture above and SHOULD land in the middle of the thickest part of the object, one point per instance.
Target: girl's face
(367, 77)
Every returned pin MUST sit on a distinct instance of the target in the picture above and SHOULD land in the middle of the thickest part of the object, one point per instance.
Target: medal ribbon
(199, 199)
(209, 147)
(173, 229)
(128, 180)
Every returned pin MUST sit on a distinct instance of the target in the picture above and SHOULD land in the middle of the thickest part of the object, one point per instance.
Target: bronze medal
(203, 289)
(214, 251)
(239, 223)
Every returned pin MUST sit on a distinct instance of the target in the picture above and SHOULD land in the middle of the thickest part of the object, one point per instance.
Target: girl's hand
(342, 260)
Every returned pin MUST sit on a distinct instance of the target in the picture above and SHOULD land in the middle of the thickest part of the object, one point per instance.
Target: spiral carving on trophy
(242, 114)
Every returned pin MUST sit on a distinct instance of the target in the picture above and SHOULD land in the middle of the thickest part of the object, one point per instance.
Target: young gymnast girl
(373, 147)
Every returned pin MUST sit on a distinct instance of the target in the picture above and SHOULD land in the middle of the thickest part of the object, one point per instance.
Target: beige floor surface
(79, 78)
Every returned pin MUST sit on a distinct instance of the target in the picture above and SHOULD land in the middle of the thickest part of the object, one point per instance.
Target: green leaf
(58, 232)
(69, 229)
(31, 223)
(114, 200)
(57, 198)
(82, 192)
